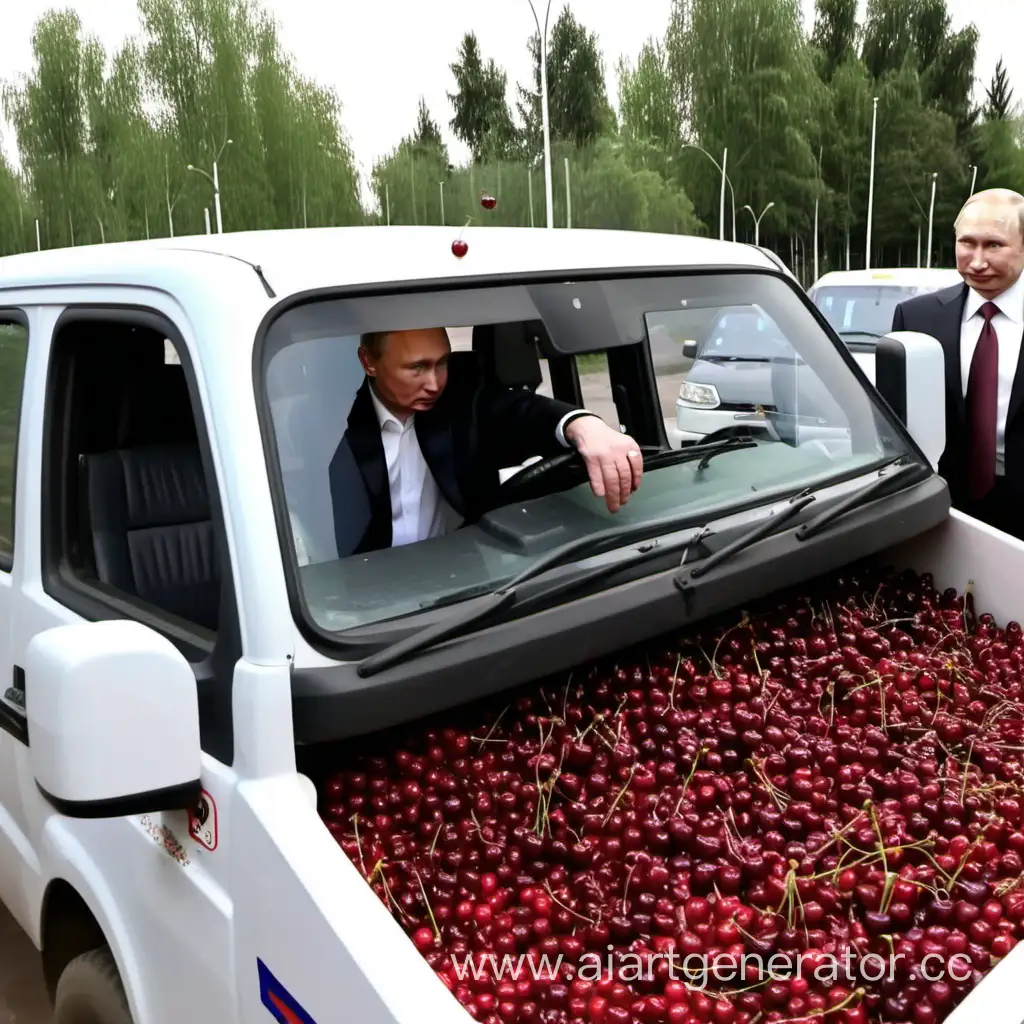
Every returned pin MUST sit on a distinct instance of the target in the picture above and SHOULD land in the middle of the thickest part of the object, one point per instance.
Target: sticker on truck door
(278, 1000)
(202, 822)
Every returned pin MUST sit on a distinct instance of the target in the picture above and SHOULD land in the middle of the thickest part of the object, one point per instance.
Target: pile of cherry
(833, 776)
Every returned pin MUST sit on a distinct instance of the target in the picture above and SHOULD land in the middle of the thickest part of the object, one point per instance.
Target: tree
(648, 112)
(999, 95)
(747, 82)
(428, 132)
(835, 34)
(578, 106)
(920, 32)
(482, 119)
(51, 122)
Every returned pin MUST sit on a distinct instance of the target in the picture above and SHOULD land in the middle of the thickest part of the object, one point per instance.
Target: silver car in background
(729, 382)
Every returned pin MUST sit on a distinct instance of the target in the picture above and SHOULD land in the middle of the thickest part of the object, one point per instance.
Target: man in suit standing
(426, 439)
(980, 324)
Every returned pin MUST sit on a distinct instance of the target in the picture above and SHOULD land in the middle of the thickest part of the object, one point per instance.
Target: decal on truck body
(278, 1000)
(202, 822)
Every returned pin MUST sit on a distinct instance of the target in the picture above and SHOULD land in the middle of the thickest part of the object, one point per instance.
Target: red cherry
(460, 247)
(488, 202)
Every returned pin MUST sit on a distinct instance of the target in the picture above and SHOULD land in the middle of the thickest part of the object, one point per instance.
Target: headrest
(509, 352)
(156, 408)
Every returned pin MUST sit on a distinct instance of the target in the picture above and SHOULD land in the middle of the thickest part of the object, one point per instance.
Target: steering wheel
(551, 475)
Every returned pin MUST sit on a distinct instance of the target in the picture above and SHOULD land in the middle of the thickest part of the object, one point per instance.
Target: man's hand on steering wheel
(614, 461)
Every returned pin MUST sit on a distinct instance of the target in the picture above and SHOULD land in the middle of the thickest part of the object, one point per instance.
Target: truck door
(127, 525)
(13, 845)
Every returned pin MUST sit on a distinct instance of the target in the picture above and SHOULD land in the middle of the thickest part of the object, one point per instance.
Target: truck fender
(64, 858)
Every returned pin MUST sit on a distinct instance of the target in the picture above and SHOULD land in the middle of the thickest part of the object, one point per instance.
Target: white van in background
(859, 304)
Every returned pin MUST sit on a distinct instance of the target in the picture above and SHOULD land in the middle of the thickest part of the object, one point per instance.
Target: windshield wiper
(857, 498)
(475, 609)
(809, 529)
(745, 540)
(704, 452)
(480, 608)
(734, 359)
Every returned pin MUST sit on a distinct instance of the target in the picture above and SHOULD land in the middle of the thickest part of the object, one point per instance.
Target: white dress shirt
(419, 510)
(1009, 327)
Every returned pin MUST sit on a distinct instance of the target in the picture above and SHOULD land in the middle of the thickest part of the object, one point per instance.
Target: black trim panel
(13, 723)
(891, 375)
(174, 798)
(335, 703)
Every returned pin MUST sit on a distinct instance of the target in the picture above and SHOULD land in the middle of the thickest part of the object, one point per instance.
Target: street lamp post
(543, 35)
(871, 187)
(215, 180)
(817, 200)
(974, 178)
(726, 180)
(441, 185)
(931, 218)
(757, 221)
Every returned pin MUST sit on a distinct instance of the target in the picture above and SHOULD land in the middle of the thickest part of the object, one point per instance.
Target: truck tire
(90, 991)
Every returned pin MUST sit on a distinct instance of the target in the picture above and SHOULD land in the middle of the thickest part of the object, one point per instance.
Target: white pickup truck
(185, 628)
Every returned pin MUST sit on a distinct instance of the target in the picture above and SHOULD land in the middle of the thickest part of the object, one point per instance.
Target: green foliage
(999, 95)
(104, 141)
(578, 107)
(97, 166)
(482, 119)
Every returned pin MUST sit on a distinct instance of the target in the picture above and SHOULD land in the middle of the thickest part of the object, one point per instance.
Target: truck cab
(191, 634)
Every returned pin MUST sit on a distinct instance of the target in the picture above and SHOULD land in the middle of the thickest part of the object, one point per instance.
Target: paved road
(23, 998)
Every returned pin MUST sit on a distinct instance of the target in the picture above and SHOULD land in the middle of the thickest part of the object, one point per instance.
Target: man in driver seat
(427, 437)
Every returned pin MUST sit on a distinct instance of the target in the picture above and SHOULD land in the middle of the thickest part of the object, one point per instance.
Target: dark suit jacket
(466, 438)
(940, 314)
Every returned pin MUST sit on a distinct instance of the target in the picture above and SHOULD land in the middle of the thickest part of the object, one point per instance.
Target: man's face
(989, 247)
(411, 370)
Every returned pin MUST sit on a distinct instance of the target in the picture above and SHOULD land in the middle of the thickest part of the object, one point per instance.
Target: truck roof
(294, 260)
(937, 277)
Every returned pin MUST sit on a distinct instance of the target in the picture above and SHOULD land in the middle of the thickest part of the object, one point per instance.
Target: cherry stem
(490, 731)
(430, 911)
(359, 845)
(675, 680)
(686, 784)
(621, 793)
(433, 845)
(555, 899)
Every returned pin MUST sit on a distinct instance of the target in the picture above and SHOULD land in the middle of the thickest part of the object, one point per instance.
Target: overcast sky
(379, 55)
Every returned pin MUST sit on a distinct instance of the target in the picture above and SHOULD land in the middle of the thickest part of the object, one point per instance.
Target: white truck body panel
(188, 925)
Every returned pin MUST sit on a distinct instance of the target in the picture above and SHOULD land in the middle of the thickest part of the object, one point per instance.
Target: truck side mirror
(113, 720)
(689, 350)
(910, 374)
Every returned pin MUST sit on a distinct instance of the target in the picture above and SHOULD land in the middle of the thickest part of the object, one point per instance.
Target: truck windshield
(862, 309)
(480, 473)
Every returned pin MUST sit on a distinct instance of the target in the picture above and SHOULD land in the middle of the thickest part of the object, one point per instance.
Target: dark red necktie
(982, 403)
